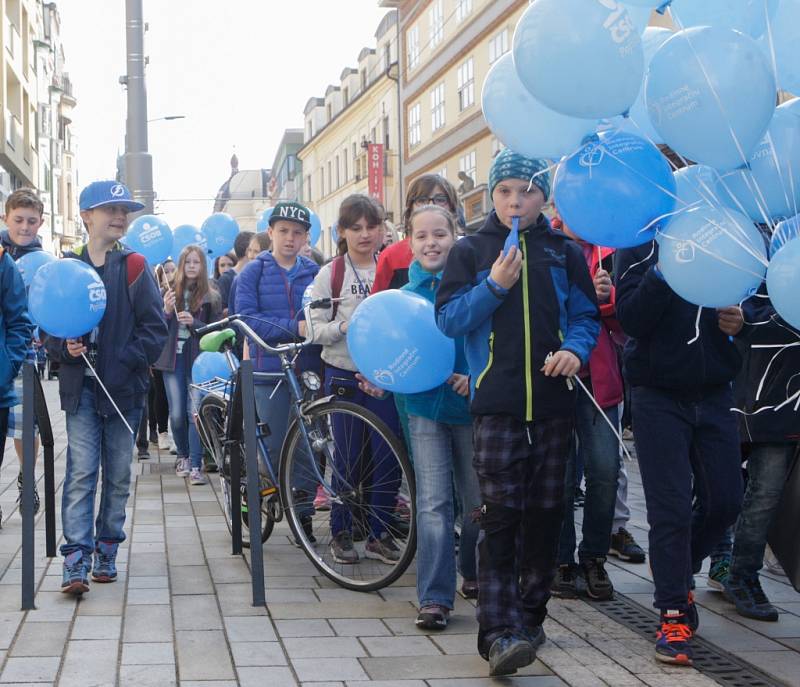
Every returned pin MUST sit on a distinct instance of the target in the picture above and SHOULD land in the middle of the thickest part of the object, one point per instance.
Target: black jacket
(661, 324)
(508, 335)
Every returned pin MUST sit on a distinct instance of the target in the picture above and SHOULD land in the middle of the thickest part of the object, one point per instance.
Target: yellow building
(18, 96)
(339, 127)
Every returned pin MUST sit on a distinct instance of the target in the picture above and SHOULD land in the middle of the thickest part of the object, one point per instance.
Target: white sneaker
(196, 477)
(182, 467)
(163, 441)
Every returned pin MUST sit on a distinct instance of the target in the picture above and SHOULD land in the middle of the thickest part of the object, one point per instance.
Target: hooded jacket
(270, 300)
(210, 310)
(130, 339)
(15, 251)
(551, 307)
(16, 330)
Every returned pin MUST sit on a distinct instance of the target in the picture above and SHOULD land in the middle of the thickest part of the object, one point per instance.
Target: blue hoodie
(16, 330)
(441, 404)
(269, 299)
(16, 252)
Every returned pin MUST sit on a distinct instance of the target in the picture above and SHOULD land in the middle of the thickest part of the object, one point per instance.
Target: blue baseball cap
(100, 193)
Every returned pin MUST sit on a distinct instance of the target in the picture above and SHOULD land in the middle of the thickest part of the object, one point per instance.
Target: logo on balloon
(384, 377)
(592, 155)
(149, 234)
(619, 25)
(684, 251)
(97, 296)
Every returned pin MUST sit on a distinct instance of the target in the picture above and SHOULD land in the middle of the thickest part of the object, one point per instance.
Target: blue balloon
(640, 16)
(783, 233)
(316, 228)
(652, 39)
(792, 106)
(220, 231)
(150, 236)
(695, 185)
(767, 190)
(186, 235)
(263, 221)
(67, 298)
(783, 29)
(699, 121)
(747, 16)
(29, 263)
(521, 122)
(395, 343)
(615, 191)
(210, 365)
(783, 282)
(582, 58)
(714, 257)
(652, 4)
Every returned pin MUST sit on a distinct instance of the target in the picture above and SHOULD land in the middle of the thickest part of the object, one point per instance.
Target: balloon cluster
(591, 87)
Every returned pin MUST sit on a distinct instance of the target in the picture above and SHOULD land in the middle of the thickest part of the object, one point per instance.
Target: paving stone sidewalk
(180, 613)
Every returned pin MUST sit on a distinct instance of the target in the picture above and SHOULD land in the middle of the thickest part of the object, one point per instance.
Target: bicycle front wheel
(366, 495)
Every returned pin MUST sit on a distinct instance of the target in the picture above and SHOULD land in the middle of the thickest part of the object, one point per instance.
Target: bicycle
(372, 493)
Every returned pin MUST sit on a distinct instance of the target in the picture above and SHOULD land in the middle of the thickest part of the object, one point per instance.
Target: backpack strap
(135, 265)
(337, 279)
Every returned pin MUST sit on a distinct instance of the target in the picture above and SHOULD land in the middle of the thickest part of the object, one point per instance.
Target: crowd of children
(544, 325)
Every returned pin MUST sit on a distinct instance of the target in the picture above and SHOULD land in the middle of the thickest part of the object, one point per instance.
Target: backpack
(337, 279)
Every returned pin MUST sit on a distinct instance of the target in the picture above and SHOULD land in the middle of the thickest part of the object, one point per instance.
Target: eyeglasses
(438, 199)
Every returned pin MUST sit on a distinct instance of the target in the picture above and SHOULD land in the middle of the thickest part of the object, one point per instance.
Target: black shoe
(342, 549)
(598, 584)
(143, 453)
(36, 502)
(624, 547)
(565, 583)
(749, 598)
(308, 528)
(433, 617)
(692, 616)
(535, 635)
(508, 654)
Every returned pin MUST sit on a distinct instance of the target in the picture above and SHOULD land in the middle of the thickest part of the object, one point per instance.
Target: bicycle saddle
(215, 341)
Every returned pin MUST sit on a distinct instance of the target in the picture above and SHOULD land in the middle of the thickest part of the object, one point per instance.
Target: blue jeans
(274, 409)
(600, 450)
(96, 441)
(767, 468)
(183, 402)
(443, 455)
(682, 443)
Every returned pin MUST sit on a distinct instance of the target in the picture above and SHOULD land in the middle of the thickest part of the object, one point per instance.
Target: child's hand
(169, 301)
(460, 384)
(506, 268)
(185, 318)
(368, 387)
(730, 319)
(301, 329)
(602, 285)
(75, 348)
(561, 363)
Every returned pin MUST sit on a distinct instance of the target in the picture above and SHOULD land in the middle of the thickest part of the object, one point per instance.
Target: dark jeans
(157, 404)
(3, 431)
(361, 456)
(767, 468)
(600, 450)
(678, 443)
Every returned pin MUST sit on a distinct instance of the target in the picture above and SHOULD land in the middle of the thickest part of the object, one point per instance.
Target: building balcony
(477, 205)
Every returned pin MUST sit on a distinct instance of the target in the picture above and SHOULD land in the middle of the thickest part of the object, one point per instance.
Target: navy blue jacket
(16, 330)
(508, 335)
(660, 324)
(131, 337)
(269, 299)
(15, 251)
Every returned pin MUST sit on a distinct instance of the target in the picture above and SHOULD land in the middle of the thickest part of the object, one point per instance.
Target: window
(363, 80)
(466, 164)
(386, 133)
(498, 46)
(443, 172)
(330, 178)
(497, 146)
(412, 46)
(309, 132)
(346, 95)
(466, 85)
(414, 125)
(338, 179)
(463, 9)
(328, 112)
(437, 107)
(344, 165)
(307, 193)
(436, 17)
(387, 56)
(321, 182)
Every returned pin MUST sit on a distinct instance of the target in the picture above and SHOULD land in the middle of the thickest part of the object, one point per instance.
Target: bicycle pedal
(268, 491)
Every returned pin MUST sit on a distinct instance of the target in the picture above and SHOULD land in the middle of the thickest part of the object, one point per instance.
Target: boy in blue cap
(122, 347)
(529, 317)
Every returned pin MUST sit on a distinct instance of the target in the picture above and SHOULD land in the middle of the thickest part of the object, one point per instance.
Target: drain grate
(161, 468)
(709, 659)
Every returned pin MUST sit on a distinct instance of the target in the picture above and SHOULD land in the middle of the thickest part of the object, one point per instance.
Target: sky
(241, 71)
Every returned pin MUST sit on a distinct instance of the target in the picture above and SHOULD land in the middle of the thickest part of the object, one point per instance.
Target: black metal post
(253, 486)
(48, 447)
(28, 476)
(236, 467)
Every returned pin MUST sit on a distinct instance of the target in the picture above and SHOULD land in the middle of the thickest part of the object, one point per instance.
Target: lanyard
(355, 272)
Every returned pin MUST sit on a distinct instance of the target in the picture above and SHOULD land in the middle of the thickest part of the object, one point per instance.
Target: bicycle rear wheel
(369, 482)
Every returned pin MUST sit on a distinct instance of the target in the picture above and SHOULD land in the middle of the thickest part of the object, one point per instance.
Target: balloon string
(103, 387)
(696, 327)
(602, 412)
(769, 366)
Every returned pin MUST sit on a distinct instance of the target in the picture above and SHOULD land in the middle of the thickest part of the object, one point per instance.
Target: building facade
(351, 135)
(244, 195)
(287, 170)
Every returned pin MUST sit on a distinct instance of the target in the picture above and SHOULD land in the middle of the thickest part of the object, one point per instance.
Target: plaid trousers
(520, 471)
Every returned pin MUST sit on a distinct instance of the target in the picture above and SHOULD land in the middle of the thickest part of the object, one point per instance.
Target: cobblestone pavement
(180, 613)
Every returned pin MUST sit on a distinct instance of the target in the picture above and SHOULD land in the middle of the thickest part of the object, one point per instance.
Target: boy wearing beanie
(527, 308)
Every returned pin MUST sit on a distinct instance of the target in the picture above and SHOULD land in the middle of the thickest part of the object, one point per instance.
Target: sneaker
(182, 467)
(718, 574)
(143, 453)
(672, 641)
(624, 547)
(565, 583)
(469, 589)
(598, 584)
(75, 578)
(383, 549)
(307, 523)
(163, 441)
(535, 635)
(692, 615)
(433, 617)
(322, 501)
(196, 477)
(402, 509)
(36, 502)
(105, 568)
(509, 653)
(342, 549)
(749, 598)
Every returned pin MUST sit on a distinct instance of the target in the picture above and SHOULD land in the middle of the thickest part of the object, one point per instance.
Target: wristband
(497, 291)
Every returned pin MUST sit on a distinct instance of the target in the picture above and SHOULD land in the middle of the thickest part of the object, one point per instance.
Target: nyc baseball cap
(100, 193)
(292, 212)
